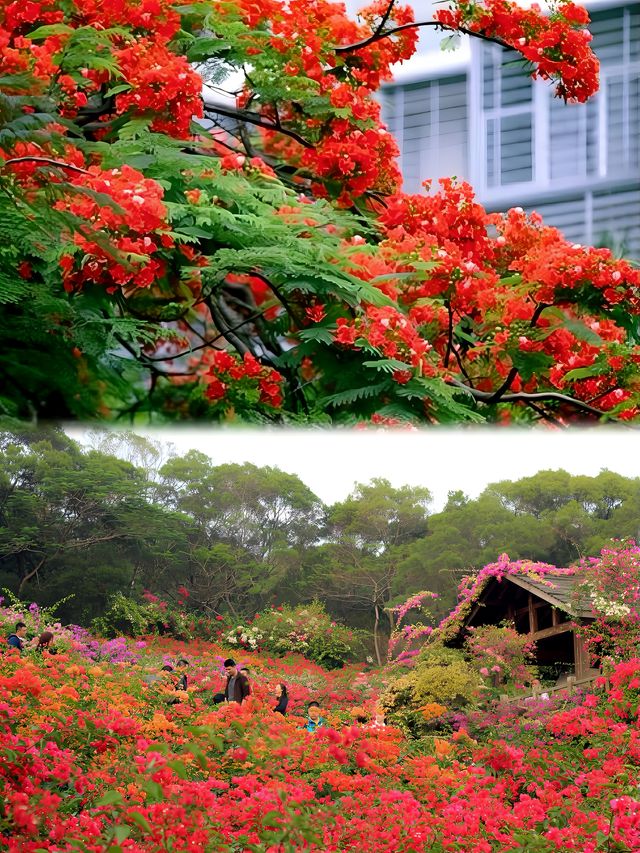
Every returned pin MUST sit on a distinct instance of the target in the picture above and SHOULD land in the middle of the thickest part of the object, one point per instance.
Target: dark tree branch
(276, 292)
(378, 36)
(225, 330)
(46, 161)
(462, 367)
(257, 120)
(522, 397)
(542, 414)
(385, 17)
(514, 370)
(499, 394)
(449, 349)
(205, 343)
(147, 361)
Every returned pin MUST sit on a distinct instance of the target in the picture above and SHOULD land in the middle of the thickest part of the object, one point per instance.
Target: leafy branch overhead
(201, 217)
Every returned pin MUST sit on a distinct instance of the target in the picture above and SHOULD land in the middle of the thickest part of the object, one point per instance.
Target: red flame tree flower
(201, 217)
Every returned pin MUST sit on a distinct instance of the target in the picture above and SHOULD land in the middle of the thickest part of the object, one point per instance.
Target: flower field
(93, 757)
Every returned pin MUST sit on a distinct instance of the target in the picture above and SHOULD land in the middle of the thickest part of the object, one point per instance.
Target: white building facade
(475, 113)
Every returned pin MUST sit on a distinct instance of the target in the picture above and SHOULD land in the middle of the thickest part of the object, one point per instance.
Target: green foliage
(124, 616)
(136, 619)
(49, 343)
(128, 516)
(441, 675)
(330, 650)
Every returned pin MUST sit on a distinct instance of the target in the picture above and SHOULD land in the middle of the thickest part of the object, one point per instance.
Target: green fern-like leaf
(353, 395)
(12, 288)
(388, 365)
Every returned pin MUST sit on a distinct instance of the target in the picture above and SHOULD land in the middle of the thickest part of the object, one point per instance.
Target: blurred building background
(474, 113)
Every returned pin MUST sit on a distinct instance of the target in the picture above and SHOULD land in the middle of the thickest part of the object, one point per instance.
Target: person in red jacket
(237, 687)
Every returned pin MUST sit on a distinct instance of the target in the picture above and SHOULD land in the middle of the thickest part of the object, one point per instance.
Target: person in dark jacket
(237, 687)
(182, 684)
(16, 640)
(283, 700)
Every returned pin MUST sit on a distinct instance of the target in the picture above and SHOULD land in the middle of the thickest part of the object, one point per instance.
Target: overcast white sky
(331, 461)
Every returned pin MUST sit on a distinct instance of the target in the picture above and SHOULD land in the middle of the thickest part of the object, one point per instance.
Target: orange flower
(432, 710)
(442, 747)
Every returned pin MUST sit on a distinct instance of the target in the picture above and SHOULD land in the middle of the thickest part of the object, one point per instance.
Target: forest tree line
(126, 514)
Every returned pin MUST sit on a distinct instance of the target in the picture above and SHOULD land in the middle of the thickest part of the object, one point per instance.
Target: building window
(530, 137)
(429, 122)
(508, 118)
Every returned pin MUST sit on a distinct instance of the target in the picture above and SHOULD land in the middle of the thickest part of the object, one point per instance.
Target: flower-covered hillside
(97, 755)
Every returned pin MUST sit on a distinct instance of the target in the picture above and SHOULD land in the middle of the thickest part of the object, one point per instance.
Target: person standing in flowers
(280, 693)
(378, 721)
(179, 686)
(237, 687)
(182, 682)
(314, 718)
(17, 638)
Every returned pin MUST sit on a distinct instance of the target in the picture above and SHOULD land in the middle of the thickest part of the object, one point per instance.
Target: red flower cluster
(352, 149)
(388, 331)
(496, 303)
(163, 87)
(163, 84)
(135, 217)
(557, 44)
(230, 375)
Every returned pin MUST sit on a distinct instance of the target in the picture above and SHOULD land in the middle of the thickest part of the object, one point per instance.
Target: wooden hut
(544, 609)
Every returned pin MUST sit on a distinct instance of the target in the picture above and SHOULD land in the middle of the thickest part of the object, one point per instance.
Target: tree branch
(514, 370)
(378, 36)
(544, 415)
(46, 161)
(521, 397)
(449, 334)
(206, 343)
(225, 331)
(256, 119)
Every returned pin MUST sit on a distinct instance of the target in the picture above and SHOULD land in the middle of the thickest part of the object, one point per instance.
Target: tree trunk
(29, 575)
(392, 618)
(376, 644)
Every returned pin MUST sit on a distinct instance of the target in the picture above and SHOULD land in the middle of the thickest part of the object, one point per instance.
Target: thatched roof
(559, 591)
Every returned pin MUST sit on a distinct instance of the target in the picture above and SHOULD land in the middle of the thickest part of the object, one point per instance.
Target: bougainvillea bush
(611, 582)
(306, 629)
(201, 216)
(101, 757)
(502, 655)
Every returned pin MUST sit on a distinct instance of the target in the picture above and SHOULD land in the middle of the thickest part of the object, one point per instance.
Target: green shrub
(309, 630)
(138, 618)
(444, 675)
(441, 675)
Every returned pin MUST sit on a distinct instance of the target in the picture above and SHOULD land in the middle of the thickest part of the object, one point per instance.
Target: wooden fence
(538, 691)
